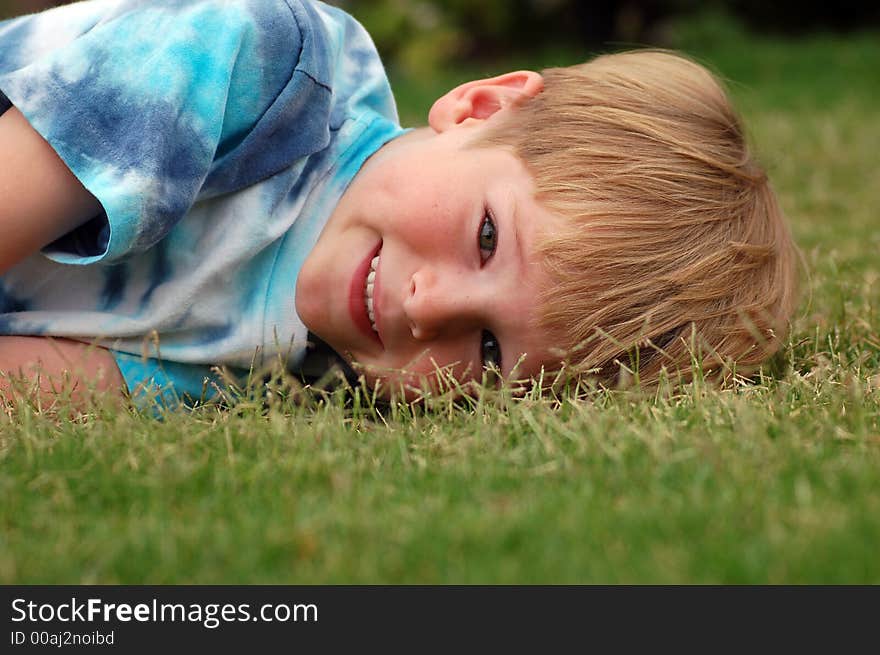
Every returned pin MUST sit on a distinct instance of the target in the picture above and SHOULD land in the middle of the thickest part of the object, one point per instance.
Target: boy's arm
(39, 368)
(40, 199)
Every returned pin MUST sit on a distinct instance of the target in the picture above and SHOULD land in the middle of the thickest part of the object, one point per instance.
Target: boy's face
(450, 231)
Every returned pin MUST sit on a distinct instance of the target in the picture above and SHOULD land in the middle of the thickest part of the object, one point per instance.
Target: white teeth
(368, 292)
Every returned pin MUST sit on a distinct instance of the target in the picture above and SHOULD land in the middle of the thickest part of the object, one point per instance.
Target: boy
(209, 182)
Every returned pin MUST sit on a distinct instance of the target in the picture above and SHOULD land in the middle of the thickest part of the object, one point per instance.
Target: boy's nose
(435, 307)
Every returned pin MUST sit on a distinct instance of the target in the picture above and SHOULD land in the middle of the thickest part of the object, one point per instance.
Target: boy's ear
(481, 99)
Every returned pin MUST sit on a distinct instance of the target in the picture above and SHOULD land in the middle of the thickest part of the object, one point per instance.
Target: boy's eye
(487, 239)
(490, 351)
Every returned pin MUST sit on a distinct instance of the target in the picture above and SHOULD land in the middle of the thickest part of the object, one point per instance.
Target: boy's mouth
(368, 292)
(362, 292)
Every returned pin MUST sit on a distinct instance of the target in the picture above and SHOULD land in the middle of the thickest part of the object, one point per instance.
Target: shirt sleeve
(154, 105)
(164, 384)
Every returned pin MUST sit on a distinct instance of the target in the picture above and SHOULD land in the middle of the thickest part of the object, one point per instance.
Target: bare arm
(40, 199)
(44, 370)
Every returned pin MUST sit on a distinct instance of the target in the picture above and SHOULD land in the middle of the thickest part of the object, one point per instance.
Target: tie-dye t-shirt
(218, 135)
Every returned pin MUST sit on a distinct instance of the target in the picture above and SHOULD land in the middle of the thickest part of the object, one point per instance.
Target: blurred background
(425, 33)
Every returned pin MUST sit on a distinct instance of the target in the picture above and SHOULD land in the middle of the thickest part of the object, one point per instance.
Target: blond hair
(674, 247)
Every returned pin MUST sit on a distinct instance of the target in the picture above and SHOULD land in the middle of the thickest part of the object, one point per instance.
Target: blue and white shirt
(218, 136)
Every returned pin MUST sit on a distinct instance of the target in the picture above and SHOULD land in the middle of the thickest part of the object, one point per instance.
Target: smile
(363, 296)
(368, 292)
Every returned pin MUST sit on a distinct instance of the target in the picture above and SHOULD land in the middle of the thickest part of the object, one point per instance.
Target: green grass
(774, 482)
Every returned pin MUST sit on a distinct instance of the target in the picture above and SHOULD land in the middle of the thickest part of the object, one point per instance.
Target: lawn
(772, 482)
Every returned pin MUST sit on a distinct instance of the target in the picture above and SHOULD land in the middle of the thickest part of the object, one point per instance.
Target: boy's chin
(411, 386)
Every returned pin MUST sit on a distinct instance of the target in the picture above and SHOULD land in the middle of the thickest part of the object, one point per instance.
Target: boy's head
(607, 215)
